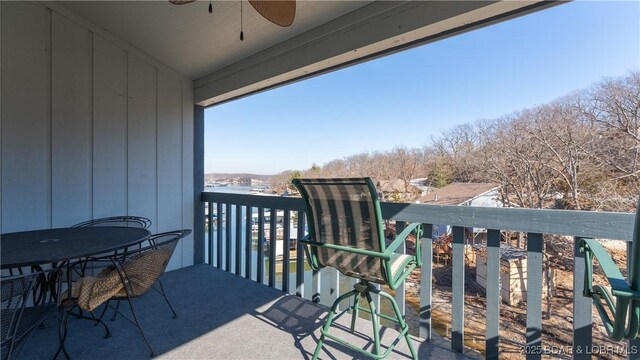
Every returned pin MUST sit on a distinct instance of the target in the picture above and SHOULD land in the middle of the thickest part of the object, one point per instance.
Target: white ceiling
(195, 43)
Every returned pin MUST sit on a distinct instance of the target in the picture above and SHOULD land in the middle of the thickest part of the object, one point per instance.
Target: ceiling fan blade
(181, 2)
(279, 12)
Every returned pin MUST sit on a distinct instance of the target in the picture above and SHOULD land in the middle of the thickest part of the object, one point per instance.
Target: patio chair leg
(95, 319)
(376, 325)
(327, 325)
(104, 311)
(63, 325)
(135, 318)
(165, 299)
(354, 311)
(402, 323)
(115, 310)
(9, 350)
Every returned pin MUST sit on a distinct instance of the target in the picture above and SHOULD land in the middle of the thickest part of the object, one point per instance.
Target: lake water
(233, 189)
(308, 274)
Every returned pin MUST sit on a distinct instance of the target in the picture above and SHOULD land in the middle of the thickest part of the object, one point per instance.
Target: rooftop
(458, 193)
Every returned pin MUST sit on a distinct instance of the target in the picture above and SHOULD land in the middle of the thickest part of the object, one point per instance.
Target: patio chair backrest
(118, 221)
(345, 212)
(18, 293)
(143, 267)
(15, 292)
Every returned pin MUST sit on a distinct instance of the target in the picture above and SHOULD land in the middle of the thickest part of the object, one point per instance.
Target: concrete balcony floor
(220, 316)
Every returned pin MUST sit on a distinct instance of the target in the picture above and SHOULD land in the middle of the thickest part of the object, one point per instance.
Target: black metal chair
(346, 233)
(20, 316)
(118, 221)
(113, 221)
(128, 275)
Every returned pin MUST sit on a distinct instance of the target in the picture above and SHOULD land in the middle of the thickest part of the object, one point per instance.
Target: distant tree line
(581, 151)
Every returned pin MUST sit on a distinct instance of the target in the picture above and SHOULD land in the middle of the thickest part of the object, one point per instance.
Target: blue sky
(406, 98)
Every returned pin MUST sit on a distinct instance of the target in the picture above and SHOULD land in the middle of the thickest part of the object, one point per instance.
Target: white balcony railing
(243, 217)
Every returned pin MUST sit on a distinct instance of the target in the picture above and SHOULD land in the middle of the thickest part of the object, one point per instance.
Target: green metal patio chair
(346, 232)
(621, 318)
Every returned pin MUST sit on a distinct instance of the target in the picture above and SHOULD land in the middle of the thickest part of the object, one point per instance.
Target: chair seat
(398, 263)
(89, 292)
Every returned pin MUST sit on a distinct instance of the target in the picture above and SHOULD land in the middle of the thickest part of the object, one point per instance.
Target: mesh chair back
(143, 267)
(17, 295)
(345, 212)
(118, 221)
(15, 292)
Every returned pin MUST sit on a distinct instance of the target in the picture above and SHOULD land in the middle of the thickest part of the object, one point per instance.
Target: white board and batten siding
(89, 128)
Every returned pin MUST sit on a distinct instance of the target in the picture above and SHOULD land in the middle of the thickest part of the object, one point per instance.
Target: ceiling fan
(279, 12)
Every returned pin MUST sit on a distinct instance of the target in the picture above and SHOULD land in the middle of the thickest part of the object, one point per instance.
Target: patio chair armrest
(619, 286)
(305, 242)
(350, 249)
(402, 237)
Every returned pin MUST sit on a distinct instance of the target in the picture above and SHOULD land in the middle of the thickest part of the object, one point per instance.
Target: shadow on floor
(220, 316)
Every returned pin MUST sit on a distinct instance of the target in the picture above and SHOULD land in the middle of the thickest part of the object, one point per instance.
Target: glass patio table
(49, 246)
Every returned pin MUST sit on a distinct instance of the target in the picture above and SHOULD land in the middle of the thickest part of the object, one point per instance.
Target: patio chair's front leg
(403, 324)
(115, 310)
(63, 324)
(354, 312)
(96, 321)
(165, 299)
(376, 324)
(327, 325)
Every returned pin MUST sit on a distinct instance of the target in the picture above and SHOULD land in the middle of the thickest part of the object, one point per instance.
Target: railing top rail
(605, 225)
(267, 202)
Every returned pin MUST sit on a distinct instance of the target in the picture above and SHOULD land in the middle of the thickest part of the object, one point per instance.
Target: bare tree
(557, 127)
(614, 106)
(581, 151)
(510, 157)
(455, 150)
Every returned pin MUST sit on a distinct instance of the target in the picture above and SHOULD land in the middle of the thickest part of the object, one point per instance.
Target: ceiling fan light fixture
(279, 12)
(181, 2)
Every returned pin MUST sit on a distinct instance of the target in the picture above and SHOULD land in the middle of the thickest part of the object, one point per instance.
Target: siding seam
(182, 165)
(49, 116)
(1, 229)
(126, 135)
(157, 143)
(90, 124)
